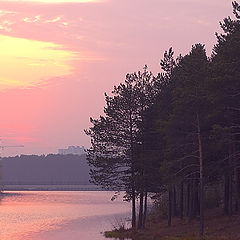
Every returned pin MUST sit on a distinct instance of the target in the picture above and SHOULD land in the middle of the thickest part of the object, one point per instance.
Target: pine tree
(225, 81)
(185, 124)
(116, 137)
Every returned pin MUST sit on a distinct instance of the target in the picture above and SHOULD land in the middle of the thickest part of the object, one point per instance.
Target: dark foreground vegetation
(176, 135)
(217, 227)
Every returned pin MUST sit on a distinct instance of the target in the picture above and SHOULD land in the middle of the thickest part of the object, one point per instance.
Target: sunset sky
(58, 57)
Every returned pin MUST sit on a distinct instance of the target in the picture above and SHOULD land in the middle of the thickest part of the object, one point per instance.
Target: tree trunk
(133, 208)
(192, 206)
(230, 196)
(181, 201)
(230, 159)
(132, 174)
(201, 199)
(188, 200)
(236, 178)
(197, 200)
(140, 216)
(191, 202)
(145, 210)
(226, 194)
(174, 202)
(169, 207)
(237, 189)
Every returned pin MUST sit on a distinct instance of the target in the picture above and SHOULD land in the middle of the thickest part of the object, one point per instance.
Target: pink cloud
(113, 24)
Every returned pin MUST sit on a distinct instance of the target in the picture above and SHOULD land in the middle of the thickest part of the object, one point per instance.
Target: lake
(60, 215)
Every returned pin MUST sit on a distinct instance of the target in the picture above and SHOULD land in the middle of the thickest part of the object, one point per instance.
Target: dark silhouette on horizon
(52, 169)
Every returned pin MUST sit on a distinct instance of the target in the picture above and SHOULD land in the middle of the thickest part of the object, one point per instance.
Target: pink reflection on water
(52, 215)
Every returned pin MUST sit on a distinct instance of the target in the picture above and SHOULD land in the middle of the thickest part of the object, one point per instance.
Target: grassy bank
(217, 227)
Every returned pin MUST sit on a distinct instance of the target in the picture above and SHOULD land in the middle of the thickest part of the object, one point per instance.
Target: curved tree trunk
(140, 216)
(145, 209)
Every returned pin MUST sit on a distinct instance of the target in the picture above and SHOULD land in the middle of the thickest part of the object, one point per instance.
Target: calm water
(59, 215)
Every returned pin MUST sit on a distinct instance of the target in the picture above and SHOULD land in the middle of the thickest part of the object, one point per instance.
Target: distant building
(76, 150)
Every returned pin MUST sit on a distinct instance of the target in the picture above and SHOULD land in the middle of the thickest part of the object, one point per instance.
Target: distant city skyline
(14, 150)
(58, 58)
(76, 150)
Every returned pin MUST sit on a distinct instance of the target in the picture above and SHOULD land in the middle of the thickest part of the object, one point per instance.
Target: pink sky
(59, 57)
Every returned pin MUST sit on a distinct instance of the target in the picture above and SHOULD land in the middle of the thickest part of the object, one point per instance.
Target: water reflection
(58, 215)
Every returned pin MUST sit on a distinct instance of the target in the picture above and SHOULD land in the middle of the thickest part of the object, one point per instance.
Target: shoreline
(51, 188)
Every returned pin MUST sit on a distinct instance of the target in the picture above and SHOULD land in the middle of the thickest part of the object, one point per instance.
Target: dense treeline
(177, 132)
(44, 170)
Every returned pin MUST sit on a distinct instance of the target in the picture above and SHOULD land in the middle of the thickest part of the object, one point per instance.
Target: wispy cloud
(5, 25)
(57, 19)
(32, 20)
(4, 13)
(5, 28)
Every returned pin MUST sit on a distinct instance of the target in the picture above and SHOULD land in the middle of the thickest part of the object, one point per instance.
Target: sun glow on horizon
(26, 63)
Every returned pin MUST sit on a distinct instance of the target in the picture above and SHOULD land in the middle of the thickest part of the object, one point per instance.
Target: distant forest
(45, 170)
(177, 133)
